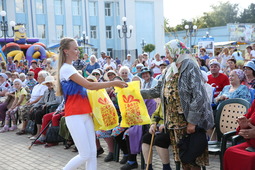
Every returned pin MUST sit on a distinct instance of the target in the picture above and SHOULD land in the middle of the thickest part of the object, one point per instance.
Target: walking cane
(157, 119)
(40, 134)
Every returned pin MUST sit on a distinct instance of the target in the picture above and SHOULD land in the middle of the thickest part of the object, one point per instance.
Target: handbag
(31, 127)
(192, 145)
(52, 135)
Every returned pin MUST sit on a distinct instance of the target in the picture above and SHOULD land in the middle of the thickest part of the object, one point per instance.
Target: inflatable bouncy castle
(20, 47)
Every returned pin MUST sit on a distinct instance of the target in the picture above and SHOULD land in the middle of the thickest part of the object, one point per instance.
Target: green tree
(248, 15)
(81, 52)
(149, 48)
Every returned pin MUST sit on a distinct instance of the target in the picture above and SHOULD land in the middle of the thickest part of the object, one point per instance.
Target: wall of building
(146, 16)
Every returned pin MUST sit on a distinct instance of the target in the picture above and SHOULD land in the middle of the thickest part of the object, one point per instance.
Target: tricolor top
(76, 98)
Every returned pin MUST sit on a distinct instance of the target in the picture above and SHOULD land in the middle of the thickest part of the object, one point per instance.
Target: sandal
(75, 149)
(47, 145)
(21, 132)
(68, 144)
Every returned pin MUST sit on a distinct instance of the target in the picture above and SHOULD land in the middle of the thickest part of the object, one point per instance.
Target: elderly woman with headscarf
(235, 89)
(184, 101)
(20, 99)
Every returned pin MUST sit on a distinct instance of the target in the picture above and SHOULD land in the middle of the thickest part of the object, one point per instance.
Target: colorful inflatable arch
(31, 50)
(16, 54)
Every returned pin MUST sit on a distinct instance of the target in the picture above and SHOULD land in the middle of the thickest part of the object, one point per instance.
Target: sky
(176, 10)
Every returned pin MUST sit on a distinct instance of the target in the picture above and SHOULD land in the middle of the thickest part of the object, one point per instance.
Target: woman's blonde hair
(64, 44)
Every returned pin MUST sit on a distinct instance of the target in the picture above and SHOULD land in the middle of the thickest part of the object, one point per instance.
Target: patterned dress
(176, 122)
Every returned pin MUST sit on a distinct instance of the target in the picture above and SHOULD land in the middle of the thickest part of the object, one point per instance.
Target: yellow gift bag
(105, 116)
(132, 107)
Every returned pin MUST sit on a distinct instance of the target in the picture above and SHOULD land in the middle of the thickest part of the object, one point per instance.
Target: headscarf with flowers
(178, 52)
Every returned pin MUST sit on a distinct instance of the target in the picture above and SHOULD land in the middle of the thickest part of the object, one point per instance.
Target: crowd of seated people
(27, 91)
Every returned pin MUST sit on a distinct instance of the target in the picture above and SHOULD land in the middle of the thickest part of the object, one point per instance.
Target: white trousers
(82, 131)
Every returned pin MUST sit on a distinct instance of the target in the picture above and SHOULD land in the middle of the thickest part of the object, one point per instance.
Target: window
(107, 7)
(92, 9)
(76, 7)
(40, 6)
(109, 52)
(41, 31)
(58, 7)
(93, 32)
(60, 31)
(1, 5)
(76, 31)
(117, 9)
(108, 32)
(20, 6)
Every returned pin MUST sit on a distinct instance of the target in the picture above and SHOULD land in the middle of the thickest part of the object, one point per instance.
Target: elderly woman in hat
(249, 72)
(20, 99)
(184, 101)
(49, 98)
(235, 89)
(147, 78)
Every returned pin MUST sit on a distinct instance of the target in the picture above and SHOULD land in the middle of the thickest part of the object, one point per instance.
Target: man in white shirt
(109, 63)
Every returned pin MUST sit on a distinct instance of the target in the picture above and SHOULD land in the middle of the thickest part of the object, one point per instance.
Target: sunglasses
(201, 51)
(124, 73)
(96, 74)
(110, 74)
(30, 74)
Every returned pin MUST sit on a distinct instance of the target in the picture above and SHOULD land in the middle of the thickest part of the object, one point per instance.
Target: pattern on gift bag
(107, 112)
(133, 114)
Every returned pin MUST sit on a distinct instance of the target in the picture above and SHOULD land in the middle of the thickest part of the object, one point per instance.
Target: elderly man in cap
(128, 61)
(217, 79)
(102, 60)
(4, 84)
(35, 68)
(10, 65)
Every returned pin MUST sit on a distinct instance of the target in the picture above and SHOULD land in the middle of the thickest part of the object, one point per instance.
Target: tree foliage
(149, 48)
(220, 15)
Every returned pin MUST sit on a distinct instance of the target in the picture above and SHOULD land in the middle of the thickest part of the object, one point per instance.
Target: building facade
(51, 20)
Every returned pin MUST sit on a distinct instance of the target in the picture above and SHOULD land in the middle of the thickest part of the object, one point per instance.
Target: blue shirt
(90, 68)
(241, 92)
(205, 57)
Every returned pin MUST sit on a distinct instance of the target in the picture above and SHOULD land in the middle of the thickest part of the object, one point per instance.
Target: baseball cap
(214, 61)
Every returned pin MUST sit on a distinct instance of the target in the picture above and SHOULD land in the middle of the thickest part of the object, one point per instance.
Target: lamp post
(124, 30)
(4, 27)
(189, 30)
(85, 41)
(143, 43)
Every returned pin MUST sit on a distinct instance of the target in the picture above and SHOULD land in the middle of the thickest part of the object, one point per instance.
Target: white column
(68, 22)
(52, 36)
(101, 27)
(159, 26)
(10, 14)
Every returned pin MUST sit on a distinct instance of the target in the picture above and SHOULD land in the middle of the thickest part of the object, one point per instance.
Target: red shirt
(218, 82)
(36, 71)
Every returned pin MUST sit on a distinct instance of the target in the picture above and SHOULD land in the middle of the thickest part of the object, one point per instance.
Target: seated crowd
(27, 94)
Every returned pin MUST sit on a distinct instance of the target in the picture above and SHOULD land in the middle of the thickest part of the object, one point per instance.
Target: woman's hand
(191, 128)
(152, 129)
(243, 122)
(248, 133)
(120, 84)
(221, 98)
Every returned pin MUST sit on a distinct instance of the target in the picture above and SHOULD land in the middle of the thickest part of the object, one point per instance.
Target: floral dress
(176, 122)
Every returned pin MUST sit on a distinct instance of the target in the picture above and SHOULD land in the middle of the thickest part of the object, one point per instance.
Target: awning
(54, 46)
(225, 43)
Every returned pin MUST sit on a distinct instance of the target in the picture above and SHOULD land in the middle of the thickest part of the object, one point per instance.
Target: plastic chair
(225, 123)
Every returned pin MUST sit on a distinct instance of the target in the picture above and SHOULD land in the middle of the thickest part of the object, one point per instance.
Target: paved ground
(16, 156)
